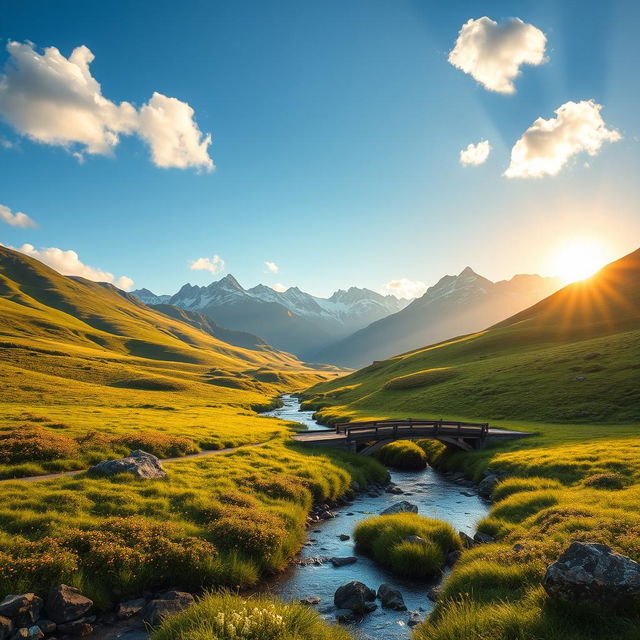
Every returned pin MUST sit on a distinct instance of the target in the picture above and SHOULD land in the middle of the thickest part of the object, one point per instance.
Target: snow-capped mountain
(293, 319)
(455, 305)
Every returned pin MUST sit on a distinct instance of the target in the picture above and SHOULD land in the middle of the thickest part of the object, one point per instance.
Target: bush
(229, 617)
(510, 486)
(402, 454)
(610, 481)
(384, 538)
(424, 378)
(31, 443)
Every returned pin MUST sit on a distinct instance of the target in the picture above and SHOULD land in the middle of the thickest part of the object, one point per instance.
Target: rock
(344, 537)
(20, 634)
(343, 561)
(483, 538)
(594, 574)
(518, 547)
(171, 603)
(468, 494)
(140, 463)
(24, 609)
(355, 486)
(65, 604)
(580, 378)
(130, 608)
(451, 558)
(327, 515)
(6, 628)
(467, 541)
(47, 626)
(77, 628)
(391, 598)
(314, 561)
(434, 593)
(400, 507)
(417, 539)
(310, 600)
(354, 596)
(35, 633)
(487, 485)
(414, 618)
(393, 488)
(346, 618)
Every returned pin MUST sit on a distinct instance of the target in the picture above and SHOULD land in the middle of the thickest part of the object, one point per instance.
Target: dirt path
(190, 456)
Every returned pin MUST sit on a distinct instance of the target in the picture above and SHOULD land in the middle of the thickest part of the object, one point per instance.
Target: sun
(578, 260)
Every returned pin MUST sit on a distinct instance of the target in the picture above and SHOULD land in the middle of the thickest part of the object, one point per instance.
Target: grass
(385, 539)
(566, 371)
(402, 454)
(230, 617)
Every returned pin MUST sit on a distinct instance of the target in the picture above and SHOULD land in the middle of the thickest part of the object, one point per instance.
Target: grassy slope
(87, 373)
(523, 372)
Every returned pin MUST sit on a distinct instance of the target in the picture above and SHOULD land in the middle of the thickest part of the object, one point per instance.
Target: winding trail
(190, 456)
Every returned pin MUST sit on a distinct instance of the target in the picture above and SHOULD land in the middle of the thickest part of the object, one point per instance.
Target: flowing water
(435, 497)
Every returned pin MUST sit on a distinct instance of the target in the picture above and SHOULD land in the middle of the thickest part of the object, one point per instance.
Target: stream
(435, 497)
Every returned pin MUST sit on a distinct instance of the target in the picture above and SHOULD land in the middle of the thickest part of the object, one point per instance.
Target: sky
(373, 143)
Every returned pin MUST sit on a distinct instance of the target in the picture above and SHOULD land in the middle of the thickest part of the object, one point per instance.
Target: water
(291, 412)
(435, 497)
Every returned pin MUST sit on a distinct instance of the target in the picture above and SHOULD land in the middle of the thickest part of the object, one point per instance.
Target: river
(435, 497)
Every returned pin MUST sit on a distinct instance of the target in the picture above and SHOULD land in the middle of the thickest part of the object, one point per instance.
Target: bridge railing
(376, 429)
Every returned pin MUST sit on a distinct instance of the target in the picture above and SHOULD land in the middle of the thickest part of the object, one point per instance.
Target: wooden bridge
(366, 437)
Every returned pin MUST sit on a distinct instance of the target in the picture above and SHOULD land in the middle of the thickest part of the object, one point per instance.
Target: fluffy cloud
(547, 145)
(405, 288)
(214, 265)
(55, 100)
(17, 219)
(280, 288)
(69, 264)
(493, 54)
(475, 154)
(272, 266)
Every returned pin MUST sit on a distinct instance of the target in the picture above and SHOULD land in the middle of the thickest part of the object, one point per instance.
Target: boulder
(140, 463)
(65, 604)
(23, 609)
(467, 541)
(310, 600)
(6, 628)
(434, 593)
(404, 506)
(35, 632)
(77, 628)
(483, 538)
(593, 573)
(130, 608)
(354, 596)
(343, 562)
(344, 537)
(487, 485)
(171, 603)
(414, 618)
(47, 626)
(391, 598)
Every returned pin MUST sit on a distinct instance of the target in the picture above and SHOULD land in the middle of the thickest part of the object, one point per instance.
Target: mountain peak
(230, 281)
(466, 272)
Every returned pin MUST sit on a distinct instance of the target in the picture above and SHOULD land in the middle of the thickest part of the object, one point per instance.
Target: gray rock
(47, 626)
(394, 489)
(594, 574)
(35, 633)
(130, 608)
(310, 600)
(434, 593)
(343, 561)
(6, 628)
(140, 463)
(77, 628)
(467, 541)
(414, 618)
(23, 609)
(483, 538)
(451, 558)
(354, 596)
(391, 598)
(344, 537)
(65, 604)
(171, 603)
(487, 485)
(403, 506)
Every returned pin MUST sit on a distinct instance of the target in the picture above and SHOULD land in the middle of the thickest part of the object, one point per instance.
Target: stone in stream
(593, 573)
(344, 537)
(343, 561)
(140, 463)
(414, 618)
(467, 541)
(23, 609)
(487, 485)
(403, 506)
(356, 597)
(391, 598)
(65, 604)
(171, 603)
(310, 600)
(130, 608)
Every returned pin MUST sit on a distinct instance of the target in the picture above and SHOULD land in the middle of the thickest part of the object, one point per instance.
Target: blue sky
(337, 128)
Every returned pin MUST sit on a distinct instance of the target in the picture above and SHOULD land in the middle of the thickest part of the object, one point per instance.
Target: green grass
(402, 454)
(384, 538)
(230, 617)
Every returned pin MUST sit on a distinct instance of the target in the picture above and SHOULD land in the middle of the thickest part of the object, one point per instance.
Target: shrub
(384, 538)
(611, 481)
(510, 486)
(229, 617)
(434, 449)
(402, 454)
(31, 443)
(424, 378)
(157, 443)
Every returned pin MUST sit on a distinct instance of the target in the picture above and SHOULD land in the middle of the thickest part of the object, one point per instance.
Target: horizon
(384, 181)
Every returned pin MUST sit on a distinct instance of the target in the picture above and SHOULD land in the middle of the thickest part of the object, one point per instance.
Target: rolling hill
(454, 305)
(573, 357)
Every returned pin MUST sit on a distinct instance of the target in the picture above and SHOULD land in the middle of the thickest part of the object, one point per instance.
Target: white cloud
(55, 100)
(475, 154)
(17, 219)
(492, 54)
(69, 264)
(272, 266)
(214, 265)
(405, 288)
(547, 145)
(280, 288)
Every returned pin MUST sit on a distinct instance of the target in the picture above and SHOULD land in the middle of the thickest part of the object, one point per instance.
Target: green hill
(573, 357)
